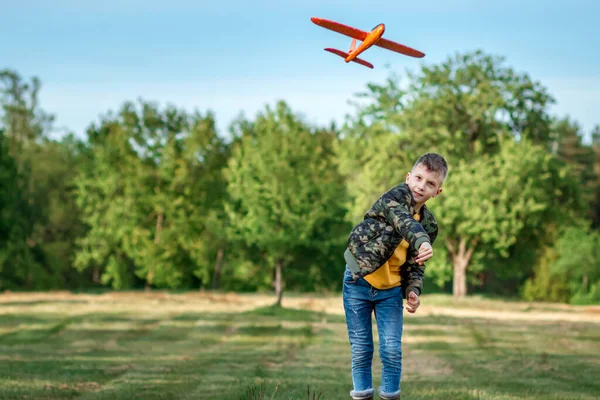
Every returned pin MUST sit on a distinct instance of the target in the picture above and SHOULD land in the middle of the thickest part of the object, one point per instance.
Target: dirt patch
(557, 316)
(146, 302)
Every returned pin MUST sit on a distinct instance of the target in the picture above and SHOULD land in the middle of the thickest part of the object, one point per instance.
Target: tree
(17, 266)
(48, 166)
(148, 195)
(461, 107)
(282, 186)
(578, 262)
(545, 284)
(56, 219)
(492, 202)
(23, 120)
(568, 146)
(467, 104)
(468, 108)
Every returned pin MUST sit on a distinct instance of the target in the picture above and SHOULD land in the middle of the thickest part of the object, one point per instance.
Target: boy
(384, 264)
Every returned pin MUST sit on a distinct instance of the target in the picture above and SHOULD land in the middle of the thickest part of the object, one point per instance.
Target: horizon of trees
(154, 197)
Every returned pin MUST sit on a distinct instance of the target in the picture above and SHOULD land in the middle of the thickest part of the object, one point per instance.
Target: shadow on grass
(269, 312)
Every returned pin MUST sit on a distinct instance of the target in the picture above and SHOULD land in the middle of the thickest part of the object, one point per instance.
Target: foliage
(545, 285)
(492, 125)
(578, 263)
(156, 197)
(493, 202)
(20, 115)
(17, 264)
(284, 190)
(148, 194)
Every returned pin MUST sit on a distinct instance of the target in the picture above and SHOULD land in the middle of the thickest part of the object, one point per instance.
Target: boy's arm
(414, 277)
(414, 272)
(401, 219)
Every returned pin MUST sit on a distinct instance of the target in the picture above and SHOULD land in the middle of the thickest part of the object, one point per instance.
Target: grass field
(228, 346)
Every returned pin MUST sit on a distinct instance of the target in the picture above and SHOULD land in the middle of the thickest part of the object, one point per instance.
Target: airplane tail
(343, 54)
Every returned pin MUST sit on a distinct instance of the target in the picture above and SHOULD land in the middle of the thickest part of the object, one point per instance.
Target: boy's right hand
(412, 302)
(425, 253)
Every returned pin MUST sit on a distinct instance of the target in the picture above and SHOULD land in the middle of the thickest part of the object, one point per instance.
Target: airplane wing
(400, 48)
(343, 54)
(340, 28)
(361, 35)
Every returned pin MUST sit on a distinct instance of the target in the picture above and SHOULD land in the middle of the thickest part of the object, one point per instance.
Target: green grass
(190, 346)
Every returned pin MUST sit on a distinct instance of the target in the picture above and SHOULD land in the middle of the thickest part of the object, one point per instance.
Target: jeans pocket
(348, 277)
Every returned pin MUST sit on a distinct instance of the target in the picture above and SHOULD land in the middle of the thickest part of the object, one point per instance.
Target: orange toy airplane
(374, 37)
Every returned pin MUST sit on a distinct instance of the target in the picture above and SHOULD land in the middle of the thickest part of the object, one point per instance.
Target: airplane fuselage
(371, 38)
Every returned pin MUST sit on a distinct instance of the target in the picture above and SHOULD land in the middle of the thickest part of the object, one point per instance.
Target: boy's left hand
(425, 253)
(412, 302)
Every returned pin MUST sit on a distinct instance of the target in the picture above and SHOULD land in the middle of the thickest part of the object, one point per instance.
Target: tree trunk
(278, 282)
(217, 274)
(149, 279)
(585, 283)
(460, 260)
(459, 286)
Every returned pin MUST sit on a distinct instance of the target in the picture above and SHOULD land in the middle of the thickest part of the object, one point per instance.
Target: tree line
(154, 197)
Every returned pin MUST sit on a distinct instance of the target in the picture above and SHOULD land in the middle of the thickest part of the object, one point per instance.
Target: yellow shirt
(388, 275)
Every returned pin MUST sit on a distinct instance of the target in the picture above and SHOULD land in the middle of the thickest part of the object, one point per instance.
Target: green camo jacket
(373, 241)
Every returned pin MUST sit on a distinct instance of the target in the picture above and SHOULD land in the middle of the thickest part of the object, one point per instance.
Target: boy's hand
(425, 253)
(412, 302)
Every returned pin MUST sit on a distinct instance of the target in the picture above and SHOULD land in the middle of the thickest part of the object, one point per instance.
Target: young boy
(384, 264)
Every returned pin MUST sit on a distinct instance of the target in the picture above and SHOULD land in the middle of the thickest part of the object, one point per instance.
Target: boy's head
(426, 177)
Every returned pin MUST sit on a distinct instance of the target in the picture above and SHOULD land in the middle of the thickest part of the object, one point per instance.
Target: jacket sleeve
(401, 219)
(413, 273)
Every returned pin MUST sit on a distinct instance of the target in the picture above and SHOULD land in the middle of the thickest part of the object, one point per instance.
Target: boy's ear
(407, 177)
(438, 192)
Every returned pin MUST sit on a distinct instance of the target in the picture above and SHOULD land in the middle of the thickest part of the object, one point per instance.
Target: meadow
(206, 345)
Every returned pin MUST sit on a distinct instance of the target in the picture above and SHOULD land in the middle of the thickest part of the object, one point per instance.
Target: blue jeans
(360, 301)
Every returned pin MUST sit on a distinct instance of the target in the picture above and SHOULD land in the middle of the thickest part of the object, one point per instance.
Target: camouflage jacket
(373, 241)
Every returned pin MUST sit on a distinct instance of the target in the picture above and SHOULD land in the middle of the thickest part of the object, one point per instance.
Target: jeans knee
(391, 356)
(362, 355)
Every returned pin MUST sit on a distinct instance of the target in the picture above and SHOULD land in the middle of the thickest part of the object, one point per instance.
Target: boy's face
(423, 183)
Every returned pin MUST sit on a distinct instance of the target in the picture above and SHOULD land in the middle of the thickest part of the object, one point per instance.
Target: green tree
(148, 196)
(48, 166)
(468, 108)
(492, 202)
(578, 262)
(545, 284)
(283, 188)
(23, 120)
(57, 220)
(17, 266)
(568, 146)
(461, 107)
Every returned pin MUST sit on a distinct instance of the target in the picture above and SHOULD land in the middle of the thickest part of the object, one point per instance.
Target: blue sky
(238, 56)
